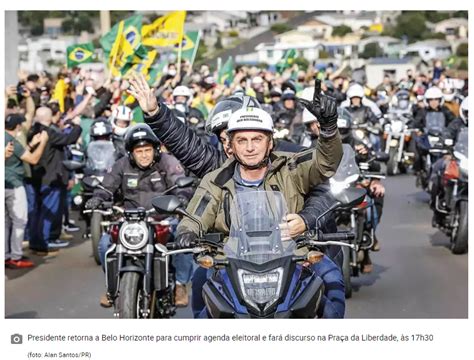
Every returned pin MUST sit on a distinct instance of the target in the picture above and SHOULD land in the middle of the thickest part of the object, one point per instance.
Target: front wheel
(346, 271)
(392, 164)
(128, 301)
(459, 233)
(96, 233)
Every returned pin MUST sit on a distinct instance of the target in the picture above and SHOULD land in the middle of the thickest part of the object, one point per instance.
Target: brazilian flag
(286, 61)
(79, 54)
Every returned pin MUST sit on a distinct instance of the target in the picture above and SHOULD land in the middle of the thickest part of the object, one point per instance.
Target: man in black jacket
(48, 185)
(140, 176)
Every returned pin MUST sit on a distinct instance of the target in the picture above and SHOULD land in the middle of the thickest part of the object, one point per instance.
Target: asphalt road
(415, 275)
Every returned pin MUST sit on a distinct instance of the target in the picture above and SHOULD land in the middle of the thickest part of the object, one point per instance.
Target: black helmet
(100, 129)
(220, 115)
(140, 134)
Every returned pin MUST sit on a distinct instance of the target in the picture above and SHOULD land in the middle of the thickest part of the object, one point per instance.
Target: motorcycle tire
(459, 235)
(392, 164)
(127, 306)
(346, 271)
(96, 233)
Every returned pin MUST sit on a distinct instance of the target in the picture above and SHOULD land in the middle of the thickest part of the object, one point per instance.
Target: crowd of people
(182, 121)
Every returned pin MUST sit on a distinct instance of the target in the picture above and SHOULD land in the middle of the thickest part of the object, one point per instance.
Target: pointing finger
(317, 92)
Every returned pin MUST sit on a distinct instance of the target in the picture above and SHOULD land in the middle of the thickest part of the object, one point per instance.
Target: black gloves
(93, 203)
(324, 108)
(186, 240)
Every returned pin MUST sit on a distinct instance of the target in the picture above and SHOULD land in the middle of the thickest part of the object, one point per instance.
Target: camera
(17, 339)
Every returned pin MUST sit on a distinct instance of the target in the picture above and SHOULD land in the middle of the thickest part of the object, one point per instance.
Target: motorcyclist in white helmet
(182, 98)
(121, 120)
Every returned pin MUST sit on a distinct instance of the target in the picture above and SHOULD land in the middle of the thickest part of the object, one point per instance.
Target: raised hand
(141, 91)
(324, 108)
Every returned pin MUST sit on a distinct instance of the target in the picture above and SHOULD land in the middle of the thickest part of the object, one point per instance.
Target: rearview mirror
(73, 165)
(184, 181)
(91, 181)
(351, 197)
(382, 156)
(167, 204)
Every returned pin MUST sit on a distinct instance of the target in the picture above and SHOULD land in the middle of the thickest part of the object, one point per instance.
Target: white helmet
(448, 93)
(182, 91)
(123, 113)
(250, 118)
(434, 92)
(463, 110)
(355, 90)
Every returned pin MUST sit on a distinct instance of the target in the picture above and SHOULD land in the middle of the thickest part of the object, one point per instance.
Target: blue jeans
(333, 303)
(45, 211)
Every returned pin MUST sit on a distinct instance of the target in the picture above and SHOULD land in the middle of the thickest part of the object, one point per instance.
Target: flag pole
(180, 50)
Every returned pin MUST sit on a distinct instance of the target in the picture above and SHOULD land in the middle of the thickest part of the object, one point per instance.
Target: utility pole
(104, 21)
(12, 60)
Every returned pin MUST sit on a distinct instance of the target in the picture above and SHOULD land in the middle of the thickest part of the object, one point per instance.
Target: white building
(355, 21)
(428, 49)
(389, 45)
(455, 27)
(35, 53)
(377, 68)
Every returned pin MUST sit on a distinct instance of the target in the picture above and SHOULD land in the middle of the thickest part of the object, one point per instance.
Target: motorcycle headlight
(77, 200)
(397, 126)
(260, 288)
(133, 235)
(433, 139)
(360, 134)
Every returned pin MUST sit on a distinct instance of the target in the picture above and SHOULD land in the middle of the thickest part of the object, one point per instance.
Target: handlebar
(341, 236)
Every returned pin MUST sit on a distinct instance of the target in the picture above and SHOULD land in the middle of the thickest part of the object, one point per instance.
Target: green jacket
(291, 174)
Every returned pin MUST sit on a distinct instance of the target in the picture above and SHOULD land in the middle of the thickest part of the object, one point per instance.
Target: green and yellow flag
(189, 46)
(123, 45)
(79, 54)
(167, 30)
(286, 61)
(226, 72)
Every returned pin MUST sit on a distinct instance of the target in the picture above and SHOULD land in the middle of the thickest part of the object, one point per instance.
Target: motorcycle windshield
(435, 121)
(461, 143)
(258, 231)
(347, 172)
(100, 155)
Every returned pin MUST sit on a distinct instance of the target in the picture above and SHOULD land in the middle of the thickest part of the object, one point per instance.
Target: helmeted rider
(451, 132)
(182, 98)
(121, 119)
(255, 167)
(139, 176)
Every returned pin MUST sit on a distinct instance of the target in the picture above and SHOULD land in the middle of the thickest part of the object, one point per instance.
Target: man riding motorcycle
(451, 132)
(434, 105)
(360, 113)
(254, 167)
(139, 176)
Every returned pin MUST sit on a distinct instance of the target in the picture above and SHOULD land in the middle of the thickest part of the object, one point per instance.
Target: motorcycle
(432, 146)
(260, 272)
(99, 161)
(139, 277)
(397, 135)
(452, 200)
(362, 219)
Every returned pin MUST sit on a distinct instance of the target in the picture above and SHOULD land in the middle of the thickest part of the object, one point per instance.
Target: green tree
(460, 14)
(371, 50)
(323, 54)
(462, 50)
(281, 28)
(201, 53)
(463, 65)
(341, 30)
(411, 24)
(302, 63)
